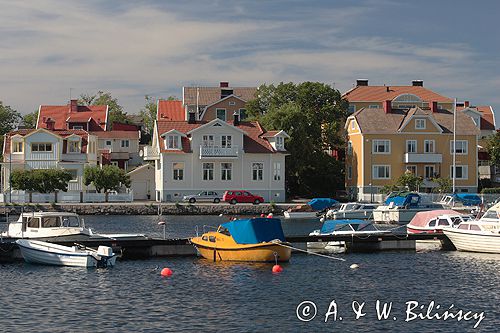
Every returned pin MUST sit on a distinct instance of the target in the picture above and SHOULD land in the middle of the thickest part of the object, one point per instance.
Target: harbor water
(312, 294)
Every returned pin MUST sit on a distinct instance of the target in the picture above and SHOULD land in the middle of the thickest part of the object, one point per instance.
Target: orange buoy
(166, 272)
(277, 269)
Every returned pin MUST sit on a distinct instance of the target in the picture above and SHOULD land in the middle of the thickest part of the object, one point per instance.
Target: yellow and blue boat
(256, 239)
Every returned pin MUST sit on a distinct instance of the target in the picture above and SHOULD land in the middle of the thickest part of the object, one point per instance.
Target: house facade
(120, 148)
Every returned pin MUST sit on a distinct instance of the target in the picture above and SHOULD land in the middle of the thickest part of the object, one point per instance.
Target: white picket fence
(64, 197)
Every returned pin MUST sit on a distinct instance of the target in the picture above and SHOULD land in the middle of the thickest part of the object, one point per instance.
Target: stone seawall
(150, 209)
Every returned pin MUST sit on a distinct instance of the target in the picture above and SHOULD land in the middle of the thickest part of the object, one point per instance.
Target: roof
(209, 95)
(253, 142)
(255, 230)
(422, 218)
(62, 133)
(487, 116)
(61, 113)
(171, 110)
(385, 93)
(116, 134)
(376, 121)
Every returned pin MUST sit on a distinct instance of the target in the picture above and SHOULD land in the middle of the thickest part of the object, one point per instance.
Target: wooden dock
(156, 247)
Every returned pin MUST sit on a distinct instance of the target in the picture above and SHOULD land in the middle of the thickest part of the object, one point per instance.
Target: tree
(30, 119)
(108, 178)
(410, 181)
(149, 112)
(9, 119)
(444, 185)
(313, 114)
(116, 113)
(493, 148)
(40, 180)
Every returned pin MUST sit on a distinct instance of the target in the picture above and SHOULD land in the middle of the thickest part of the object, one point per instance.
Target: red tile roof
(384, 93)
(60, 114)
(487, 116)
(63, 133)
(253, 142)
(116, 134)
(171, 110)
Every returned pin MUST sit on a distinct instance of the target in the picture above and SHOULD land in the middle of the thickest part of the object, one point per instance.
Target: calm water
(231, 297)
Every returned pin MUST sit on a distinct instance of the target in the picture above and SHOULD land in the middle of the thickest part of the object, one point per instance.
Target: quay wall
(150, 209)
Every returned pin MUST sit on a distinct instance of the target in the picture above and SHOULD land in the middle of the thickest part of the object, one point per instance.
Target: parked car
(203, 196)
(234, 197)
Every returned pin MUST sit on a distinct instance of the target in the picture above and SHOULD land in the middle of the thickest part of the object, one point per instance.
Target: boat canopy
(322, 203)
(468, 199)
(332, 225)
(422, 218)
(409, 199)
(254, 231)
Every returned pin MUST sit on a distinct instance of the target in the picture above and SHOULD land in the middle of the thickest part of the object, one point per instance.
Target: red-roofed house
(120, 148)
(73, 116)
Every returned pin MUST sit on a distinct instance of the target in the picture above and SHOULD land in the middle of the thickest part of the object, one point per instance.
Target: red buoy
(270, 216)
(166, 272)
(262, 215)
(277, 269)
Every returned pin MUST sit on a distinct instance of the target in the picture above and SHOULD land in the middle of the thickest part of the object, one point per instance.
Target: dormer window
(17, 147)
(73, 146)
(173, 142)
(280, 143)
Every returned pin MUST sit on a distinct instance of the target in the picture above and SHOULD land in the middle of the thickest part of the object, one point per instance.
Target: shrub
(491, 190)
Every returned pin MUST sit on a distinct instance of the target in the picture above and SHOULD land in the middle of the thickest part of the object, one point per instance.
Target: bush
(491, 190)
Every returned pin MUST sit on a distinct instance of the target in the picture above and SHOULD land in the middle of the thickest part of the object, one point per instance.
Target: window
(373, 106)
(208, 141)
(225, 141)
(73, 146)
(243, 114)
(381, 146)
(429, 146)
(115, 163)
(462, 171)
(77, 127)
(349, 148)
(280, 143)
(108, 143)
(429, 171)
(257, 171)
(50, 222)
(208, 171)
(349, 172)
(232, 103)
(411, 146)
(353, 125)
(221, 114)
(178, 170)
(460, 147)
(74, 174)
(173, 142)
(125, 143)
(41, 147)
(226, 171)
(381, 171)
(277, 171)
(17, 147)
(352, 108)
(419, 123)
(412, 169)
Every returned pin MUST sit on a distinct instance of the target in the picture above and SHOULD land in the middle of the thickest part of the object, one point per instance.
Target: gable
(415, 123)
(230, 104)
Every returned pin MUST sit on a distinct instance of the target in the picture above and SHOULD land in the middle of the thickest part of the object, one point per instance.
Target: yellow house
(384, 142)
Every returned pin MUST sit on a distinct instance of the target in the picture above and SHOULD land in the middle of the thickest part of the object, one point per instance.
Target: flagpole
(454, 142)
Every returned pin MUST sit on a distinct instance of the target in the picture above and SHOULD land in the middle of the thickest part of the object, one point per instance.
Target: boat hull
(299, 215)
(474, 241)
(258, 253)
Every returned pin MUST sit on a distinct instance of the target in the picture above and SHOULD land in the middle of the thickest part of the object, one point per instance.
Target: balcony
(149, 153)
(218, 152)
(423, 158)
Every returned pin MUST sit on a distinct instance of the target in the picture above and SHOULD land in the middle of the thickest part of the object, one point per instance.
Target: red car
(233, 197)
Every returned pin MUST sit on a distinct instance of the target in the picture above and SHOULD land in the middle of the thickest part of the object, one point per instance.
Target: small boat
(256, 239)
(401, 207)
(355, 228)
(481, 235)
(311, 209)
(46, 253)
(462, 202)
(433, 221)
(352, 210)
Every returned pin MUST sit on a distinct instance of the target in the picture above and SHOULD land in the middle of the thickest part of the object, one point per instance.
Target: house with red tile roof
(70, 149)
(119, 147)
(73, 116)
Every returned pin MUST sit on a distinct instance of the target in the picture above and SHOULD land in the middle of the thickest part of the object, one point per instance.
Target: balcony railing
(215, 151)
(423, 158)
(150, 153)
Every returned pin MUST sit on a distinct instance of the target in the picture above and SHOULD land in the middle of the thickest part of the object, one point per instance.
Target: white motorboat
(46, 253)
(481, 235)
(433, 221)
(352, 210)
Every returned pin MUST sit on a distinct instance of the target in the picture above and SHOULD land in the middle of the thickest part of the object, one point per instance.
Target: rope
(308, 252)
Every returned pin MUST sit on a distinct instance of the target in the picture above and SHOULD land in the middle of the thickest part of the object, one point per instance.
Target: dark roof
(209, 95)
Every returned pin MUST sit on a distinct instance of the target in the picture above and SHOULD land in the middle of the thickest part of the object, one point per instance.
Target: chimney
(191, 119)
(224, 84)
(73, 106)
(50, 123)
(387, 106)
(388, 89)
(236, 119)
(434, 106)
(417, 83)
(361, 82)
(466, 104)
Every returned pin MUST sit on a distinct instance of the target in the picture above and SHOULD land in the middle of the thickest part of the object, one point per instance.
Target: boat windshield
(365, 227)
(490, 214)
(70, 221)
(224, 231)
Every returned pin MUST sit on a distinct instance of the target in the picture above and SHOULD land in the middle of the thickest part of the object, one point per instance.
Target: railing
(150, 153)
(423, 158)
(215, 151)
(65, 197)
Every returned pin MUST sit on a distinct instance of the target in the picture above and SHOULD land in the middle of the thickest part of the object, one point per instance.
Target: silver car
(207, 196)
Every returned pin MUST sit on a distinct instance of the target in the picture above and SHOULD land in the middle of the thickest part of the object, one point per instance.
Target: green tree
(313, 114)
(493, 148)
(9, 119)
(150, 110)
(444, 185)
(116, 113)
(389, 188)
(40, 180)
(30, 119)
(410, 181)
(108, 178)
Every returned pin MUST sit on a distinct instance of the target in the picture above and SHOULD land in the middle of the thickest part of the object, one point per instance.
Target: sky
(51, 50)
